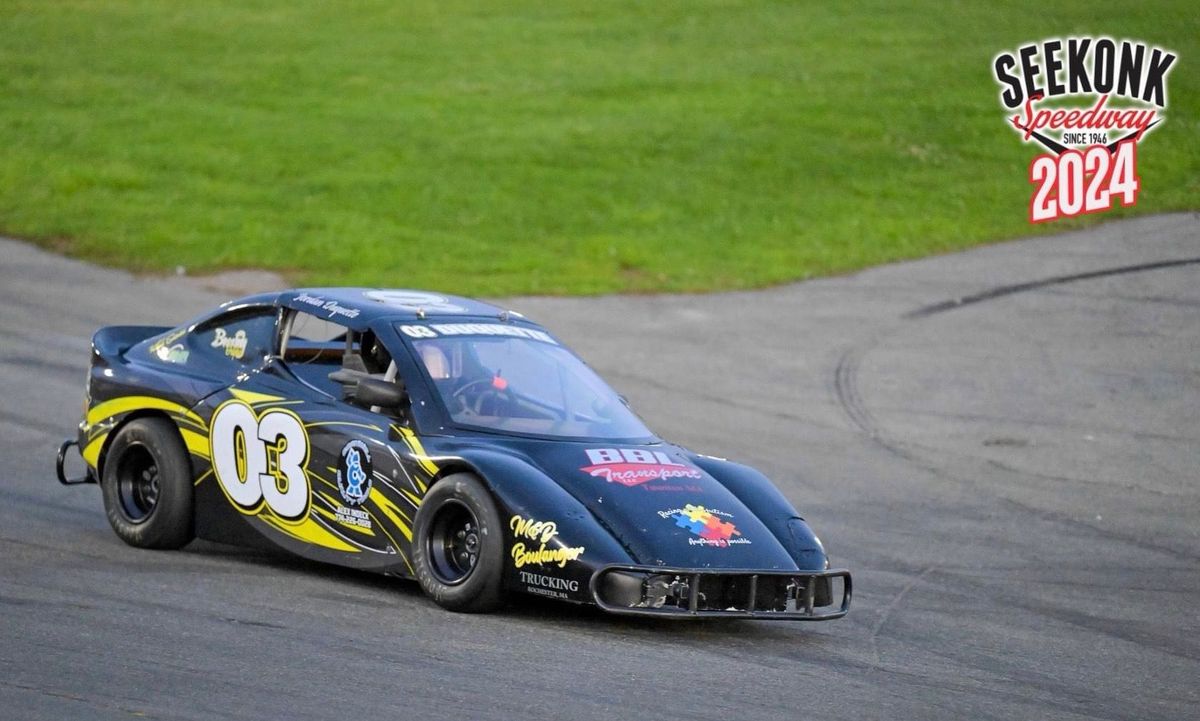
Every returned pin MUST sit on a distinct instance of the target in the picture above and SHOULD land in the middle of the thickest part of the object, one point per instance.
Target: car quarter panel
(120, 385)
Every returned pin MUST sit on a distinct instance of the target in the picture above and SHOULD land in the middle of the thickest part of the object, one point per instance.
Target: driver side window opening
(331, 357)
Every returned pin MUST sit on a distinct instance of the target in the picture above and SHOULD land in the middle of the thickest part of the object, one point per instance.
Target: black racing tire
(458, 545)
(147, 485)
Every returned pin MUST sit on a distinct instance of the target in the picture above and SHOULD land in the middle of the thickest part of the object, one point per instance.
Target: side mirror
(375, 392)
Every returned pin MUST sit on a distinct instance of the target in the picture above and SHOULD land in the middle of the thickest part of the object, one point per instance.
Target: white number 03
(260, 459)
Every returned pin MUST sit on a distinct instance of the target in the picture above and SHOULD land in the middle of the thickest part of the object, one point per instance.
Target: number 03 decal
(260, 460)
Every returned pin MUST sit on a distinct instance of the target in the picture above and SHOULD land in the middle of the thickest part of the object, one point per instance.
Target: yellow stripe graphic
(252, 398)
(393, 512)
(91, 454)
(312, 532)
(411, 498)
(418, 451)
(196, 443)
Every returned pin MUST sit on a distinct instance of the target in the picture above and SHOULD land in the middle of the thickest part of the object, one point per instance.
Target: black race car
(436, 438)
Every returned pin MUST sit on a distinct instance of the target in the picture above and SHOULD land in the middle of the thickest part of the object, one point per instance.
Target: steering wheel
(490, 391)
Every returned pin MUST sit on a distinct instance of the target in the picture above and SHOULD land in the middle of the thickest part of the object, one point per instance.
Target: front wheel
(458, 545)
(147, 485)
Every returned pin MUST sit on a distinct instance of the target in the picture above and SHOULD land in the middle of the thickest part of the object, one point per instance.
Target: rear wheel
(147, 485)
(458, 545)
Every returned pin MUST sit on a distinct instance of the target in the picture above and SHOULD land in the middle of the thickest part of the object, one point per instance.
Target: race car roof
(358, 307)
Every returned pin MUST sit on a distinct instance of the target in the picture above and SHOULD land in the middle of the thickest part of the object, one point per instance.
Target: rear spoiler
(113, 340)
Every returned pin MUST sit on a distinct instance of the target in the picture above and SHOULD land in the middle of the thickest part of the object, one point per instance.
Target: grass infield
(517, 147)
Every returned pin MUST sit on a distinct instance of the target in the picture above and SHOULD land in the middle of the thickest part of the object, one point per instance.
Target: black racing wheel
(458, 545)
(147, 485)
(473, 396)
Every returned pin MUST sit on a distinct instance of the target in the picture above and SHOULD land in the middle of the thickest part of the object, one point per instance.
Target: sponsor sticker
(162, 346)
(435, 330)
(331, 307)
(353, 517)
(549, 586)
(175, 354)
(712, 527)
(1089, 102)
(636, 466)
(354, 472)
(234, 345)
(542, 533)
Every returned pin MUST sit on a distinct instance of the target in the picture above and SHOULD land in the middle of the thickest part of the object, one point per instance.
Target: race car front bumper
(706, 593)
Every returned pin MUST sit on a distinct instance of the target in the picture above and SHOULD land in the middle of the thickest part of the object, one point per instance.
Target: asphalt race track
(1003, 445)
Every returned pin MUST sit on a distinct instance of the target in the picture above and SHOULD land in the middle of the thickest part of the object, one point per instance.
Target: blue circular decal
(354, 473)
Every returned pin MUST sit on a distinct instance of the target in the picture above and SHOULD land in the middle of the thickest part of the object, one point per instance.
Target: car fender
(552, 542)
(771, 507)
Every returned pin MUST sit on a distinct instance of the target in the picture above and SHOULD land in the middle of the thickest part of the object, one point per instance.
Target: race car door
(296, 466)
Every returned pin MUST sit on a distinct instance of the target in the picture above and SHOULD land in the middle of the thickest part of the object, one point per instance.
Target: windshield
(524, 385)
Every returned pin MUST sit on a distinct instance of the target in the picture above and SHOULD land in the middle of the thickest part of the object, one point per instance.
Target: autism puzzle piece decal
(707, 524)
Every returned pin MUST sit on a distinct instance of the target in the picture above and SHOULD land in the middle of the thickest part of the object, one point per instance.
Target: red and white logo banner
(1089, 102)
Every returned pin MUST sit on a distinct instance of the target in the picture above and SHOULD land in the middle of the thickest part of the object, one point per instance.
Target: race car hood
(654, 500)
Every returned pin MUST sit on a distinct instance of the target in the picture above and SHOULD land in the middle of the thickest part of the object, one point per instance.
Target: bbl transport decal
(1089, 102)
(711, 526)
(637, 466)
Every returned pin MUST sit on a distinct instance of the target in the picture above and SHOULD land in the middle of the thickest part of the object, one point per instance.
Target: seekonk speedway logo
(1089, 101)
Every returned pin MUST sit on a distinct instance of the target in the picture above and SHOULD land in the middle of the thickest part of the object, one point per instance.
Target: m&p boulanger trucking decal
(711, 526)
(1089, 102)
(551, 586)
(542, 532)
